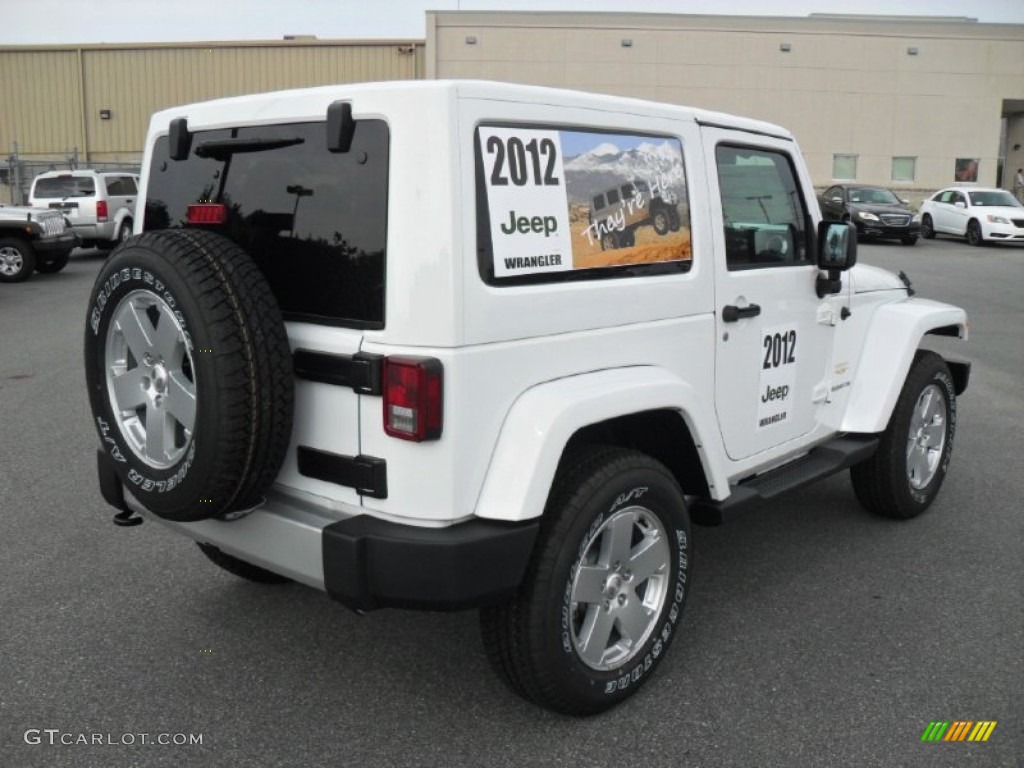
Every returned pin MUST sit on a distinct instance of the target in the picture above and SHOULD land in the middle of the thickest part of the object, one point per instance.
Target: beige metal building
(893, 101)
(91, 104)
(905, 102)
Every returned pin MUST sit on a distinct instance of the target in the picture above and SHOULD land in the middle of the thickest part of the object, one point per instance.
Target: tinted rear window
(315, 222)
(65, 186)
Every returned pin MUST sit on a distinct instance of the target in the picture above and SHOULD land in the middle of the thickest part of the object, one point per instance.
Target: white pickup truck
(368, 340)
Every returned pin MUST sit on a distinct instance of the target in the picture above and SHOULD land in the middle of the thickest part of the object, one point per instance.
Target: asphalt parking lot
(814, 635)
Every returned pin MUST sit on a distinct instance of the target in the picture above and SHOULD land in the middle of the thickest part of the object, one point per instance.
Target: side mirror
(179, 138)
(341, 128)
(837, 252)
(960, 204)
(905, 201)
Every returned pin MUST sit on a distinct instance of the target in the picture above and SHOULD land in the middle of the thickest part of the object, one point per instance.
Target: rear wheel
(660, 220)
(974, 235)
(17, 260)
(927, 228)
(605, 588)
(903, 477)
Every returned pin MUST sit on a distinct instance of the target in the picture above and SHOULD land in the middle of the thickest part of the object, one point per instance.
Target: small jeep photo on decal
(626, 199)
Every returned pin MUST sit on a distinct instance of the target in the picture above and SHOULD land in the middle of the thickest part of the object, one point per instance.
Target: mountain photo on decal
(627, 199)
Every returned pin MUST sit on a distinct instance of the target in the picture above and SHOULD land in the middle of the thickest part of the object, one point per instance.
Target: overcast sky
(34, 22)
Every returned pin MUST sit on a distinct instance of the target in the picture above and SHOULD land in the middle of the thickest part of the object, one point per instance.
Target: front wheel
(604, 591)
(903, 477)
(927, 228)
(17, 260)
(53, 264)
(974, 235)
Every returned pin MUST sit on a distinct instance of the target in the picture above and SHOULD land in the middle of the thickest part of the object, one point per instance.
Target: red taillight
(206, 213)
(413, 394)
(101, 210)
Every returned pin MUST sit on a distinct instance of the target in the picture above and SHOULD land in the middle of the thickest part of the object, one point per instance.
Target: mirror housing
(960, 204)
(837, 252)
(341, 128)
(179, 139)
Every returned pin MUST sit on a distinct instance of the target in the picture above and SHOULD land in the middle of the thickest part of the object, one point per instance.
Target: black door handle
(731, 313)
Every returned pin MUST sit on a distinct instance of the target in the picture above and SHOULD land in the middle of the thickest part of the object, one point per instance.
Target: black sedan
(875, 211)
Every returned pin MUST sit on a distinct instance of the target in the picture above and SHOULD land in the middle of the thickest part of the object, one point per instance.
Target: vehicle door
(774, 335)
(942, 211)
(958, 214)
(71, 194)
(121, 193)
(315, 222)
(832, 203)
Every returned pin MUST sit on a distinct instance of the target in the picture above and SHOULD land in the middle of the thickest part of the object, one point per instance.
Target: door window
(763, 210)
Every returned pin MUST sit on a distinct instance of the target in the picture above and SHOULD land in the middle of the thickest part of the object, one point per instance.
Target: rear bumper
(362, 561)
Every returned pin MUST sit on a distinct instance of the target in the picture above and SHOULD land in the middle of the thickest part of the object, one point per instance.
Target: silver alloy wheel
(926, 439)
(126, 232)
(150, 379)
(11, 261)
(619, 588)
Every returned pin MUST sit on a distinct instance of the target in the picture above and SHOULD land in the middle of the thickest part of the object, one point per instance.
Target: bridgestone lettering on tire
(903, 477)
(605, 588)
(189, 374)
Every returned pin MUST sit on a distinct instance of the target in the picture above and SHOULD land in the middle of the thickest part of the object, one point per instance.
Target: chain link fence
(17, 171)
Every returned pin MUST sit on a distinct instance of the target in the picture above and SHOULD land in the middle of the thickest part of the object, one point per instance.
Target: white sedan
(981, 215)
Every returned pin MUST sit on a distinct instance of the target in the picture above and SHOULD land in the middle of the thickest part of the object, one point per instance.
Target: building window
(904, 168)
(844, 166)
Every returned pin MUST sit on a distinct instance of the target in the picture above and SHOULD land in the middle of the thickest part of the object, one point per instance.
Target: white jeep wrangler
(365, 342)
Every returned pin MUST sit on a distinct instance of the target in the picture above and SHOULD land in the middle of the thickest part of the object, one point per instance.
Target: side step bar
(827, 459)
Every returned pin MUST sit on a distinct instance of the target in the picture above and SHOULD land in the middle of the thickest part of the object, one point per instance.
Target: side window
(556, 204)
(945, 197)
(762, 207)
(833, 192)
(130, 187)
(115, 186)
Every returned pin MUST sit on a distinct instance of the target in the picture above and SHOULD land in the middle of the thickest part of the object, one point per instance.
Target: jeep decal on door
(569, 200)
(778, 375)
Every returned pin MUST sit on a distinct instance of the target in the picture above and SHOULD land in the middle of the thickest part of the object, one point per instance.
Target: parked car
(875, 211)
(979, 214)
(398, 370)
(33, 239)
(99, 204)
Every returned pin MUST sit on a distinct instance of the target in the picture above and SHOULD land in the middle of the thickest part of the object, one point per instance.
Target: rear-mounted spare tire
(189, 374)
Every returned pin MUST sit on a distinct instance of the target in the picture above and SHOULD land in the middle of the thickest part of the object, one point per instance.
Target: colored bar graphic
(982, 730)
(959, 730)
